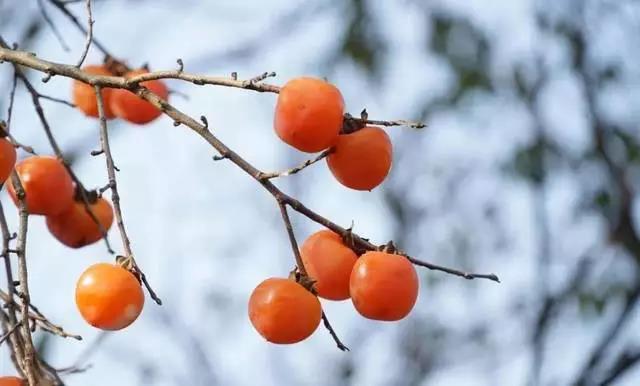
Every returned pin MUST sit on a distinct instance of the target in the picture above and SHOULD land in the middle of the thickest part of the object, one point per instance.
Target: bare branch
(329, 328)
(35, 98)
(51, 24)
(6, 335)
(14, 339)
(87, 44)
(30, 368)
(62, 6)
(292, 239)
(115, 196)
(298, 168)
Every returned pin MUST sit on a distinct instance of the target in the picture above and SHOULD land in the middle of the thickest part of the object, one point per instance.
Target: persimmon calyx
(304, 280)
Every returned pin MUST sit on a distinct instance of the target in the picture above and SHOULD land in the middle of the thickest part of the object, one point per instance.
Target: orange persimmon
(109, 297)
(361, 160)
(76, 228)
(84, 95)
(329, 262)
(309, 114)
(47, 184)
(384, 286)
(283, 311)
(7, 159)
(11, 381)
(131, 107)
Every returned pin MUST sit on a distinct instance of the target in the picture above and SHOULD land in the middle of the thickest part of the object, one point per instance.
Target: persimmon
(47, 184)
(329, 262)
(134, 109)
(283, 311)
(84, 95)
(109, 297)
(309, 114)
(384, 286)
(7, 159)
(76, 228)
(361, 160)
(11, 381)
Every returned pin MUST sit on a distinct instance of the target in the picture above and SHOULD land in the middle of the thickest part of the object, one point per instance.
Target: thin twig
(607, 339)
(292, 238)
(87, 44)
(62, 6)
(38, 317)
(35, 98)
(298, 168)
(625, 362)
(10, 332)
(15, 340)
(30, 368)
(115, 196)
(51, 24)
(12, 97)
(305, 280)
(329, 328)
(57, 100)
(78, 364)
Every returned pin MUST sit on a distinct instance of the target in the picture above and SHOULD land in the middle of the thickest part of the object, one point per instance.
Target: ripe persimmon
(384, 286)
(47, 184)
(76, 228)
(7, 159)
(11, 381)
(84, 95)
(131, 107)
(309, 114)
(283, 311)
(361, 160)
(329, 262)
(109, 297)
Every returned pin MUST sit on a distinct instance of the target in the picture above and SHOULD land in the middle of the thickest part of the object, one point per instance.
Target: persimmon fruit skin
(84, 95)
(75, 228)
(309, 114)
(329, 262)
(109, 297)
(47, 184)
(361, 160)
(384, 286)
(11, 381)
(7, 159)
(283, 311)
(132, 108)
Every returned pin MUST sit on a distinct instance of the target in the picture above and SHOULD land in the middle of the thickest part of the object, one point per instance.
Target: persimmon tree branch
(201, 128)
(115, 196)
(47, 19)
(35, 98)
(179, 118)
(29, 362)
(298, 168)
(87, 44)
(14, 339)
(61, 5)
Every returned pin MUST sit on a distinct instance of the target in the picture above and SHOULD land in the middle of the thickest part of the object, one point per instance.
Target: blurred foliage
(465, 49)
(362, 42)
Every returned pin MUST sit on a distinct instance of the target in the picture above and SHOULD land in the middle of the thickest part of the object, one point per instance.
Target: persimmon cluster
(108, 296)
(382, 285)
(120, 103)
(309, 116)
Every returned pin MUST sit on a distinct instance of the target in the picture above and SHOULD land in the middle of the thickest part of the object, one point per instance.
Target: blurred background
(528, 168)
